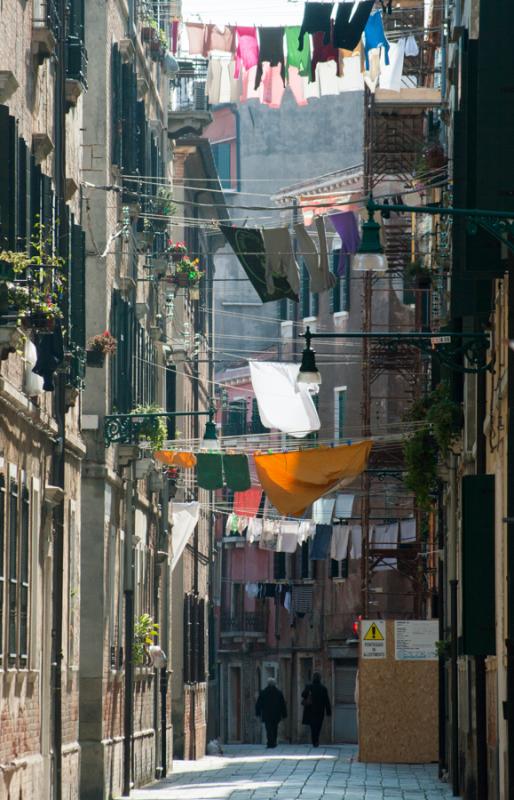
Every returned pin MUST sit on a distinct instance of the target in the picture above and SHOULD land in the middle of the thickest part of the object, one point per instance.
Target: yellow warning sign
(374, 634)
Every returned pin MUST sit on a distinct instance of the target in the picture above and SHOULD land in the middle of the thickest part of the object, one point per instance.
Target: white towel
(185, 518)
(284, 404)
(339, 544)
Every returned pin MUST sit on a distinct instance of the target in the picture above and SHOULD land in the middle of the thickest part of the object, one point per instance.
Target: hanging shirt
(196, 38)
(247, 50)
(280, 259)
(272, 86)
(295, 479)
(237, 473)
(323, 510)
(391, 74)
(289, 540)
(372, 73)
(339, 544)
(271, 51)
(374, 37)
(346, 226)
(321, 543)
(316, 17)
(356, 545)
(218, 85)
(322, 52)
(316, 262)
(222, 39)
(283, 404)
(301, 59)
(347, 28)
(174, 36)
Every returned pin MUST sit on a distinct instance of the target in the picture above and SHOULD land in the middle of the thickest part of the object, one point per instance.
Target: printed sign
(415, 640)
(373, 638)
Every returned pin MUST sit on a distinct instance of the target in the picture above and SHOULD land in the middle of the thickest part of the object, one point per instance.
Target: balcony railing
(188, 86)
(76, 60)
(46, 15)
(246, 622)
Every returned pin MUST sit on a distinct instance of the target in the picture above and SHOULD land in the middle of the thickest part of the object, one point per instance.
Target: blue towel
(320, 547)
(374, 36)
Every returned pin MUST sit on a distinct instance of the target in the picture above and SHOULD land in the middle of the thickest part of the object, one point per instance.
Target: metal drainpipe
(453, 582)
(443, 761)
(128, 715)
(164, 632)
(58, 461)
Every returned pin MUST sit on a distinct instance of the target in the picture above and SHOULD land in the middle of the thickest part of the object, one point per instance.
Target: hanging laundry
(408, 531)
(50, 354)
(306, 530)
(271, 51)
(351, 79)
(301, 59)
(174, 36)
(272, 86)
(270, 535)
(302, 599)
(33, 384)
(323, 52)
(316, 18)
(247, 503)
(391, 74)
(323, 510)
(252, 589)
(289, 536)
(283, 404)
(254, 531)
(372, 73)
(218, 85)
(344, 506)
(288, 597)
(220, 39)
(247, 50)
(296, 84)
(248, 245)
(345, 224)
(185, 518)
(327, 80)
(175, 458)
(280, 259)
(385, 537)
(237, 472)
(411, 47)
(321, 543)
(196, 38)
(356, 539)
(348, 28)
(339, 543)
(296, 479)
(210, 470)
(317, 263)
(374, 37)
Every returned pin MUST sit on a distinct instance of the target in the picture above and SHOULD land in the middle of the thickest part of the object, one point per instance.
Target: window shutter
(341, 412)
(8, 186)
(78, 287)
(24, 575)
(201, 641)
(478, 580)
(13, 572)
(116, 109)
(279, 566)
(2, 563)
(23, 232)
(128, 118)
(187, 641)
(335, 293)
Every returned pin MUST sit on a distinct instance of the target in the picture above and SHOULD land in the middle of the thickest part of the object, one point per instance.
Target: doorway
(345, 710)
(234, 709)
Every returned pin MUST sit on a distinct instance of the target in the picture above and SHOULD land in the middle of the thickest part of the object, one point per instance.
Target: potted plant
(187, 273)
(145, 235)
(163, 207)
(153, 430)
(98, 347)
(145, 632)
(175, 250)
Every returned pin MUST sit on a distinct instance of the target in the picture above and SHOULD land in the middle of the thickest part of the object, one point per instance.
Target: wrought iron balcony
(247, 622)
(76, 61)
(46, 25)
(189, 84)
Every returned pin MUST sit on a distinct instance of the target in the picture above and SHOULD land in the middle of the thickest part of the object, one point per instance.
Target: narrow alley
(295, 771)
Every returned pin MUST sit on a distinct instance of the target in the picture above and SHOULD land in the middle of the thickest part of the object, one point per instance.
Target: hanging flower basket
(176, 251)
(39, 322)
(181, 279)
(148, 34)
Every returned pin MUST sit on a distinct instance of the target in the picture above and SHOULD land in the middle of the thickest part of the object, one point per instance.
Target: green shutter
(7, 180)
(478, 584)
(341, 411)
(78, 287)
(116, 110)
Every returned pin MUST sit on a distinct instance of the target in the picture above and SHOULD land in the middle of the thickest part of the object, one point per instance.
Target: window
(257, 426)
(194, 639)
(236, 418)
(305, 567)
(24, 576)
(279, 566)
(310, 304)
(339, 412)
(13, 571)
(339, 569)
(222, 152)
(340, 294)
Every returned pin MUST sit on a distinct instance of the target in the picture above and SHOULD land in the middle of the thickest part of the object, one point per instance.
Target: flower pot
(182, 279)
(95, 358)
(39, 322)
(148, 34)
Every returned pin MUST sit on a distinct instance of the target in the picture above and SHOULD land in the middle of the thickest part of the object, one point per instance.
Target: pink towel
(247, 52)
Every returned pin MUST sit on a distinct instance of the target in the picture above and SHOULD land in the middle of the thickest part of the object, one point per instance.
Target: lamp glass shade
(309, 372)
(363, 262)
(210, 440)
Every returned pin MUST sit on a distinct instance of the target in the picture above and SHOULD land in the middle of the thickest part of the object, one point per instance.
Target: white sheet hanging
(289, 538)
(385, 537)
(284, 404)
(344, 505)
(185, 518)
(323, 510)
(408, 530)
(356, 546)
(339, 543)
(391, 74)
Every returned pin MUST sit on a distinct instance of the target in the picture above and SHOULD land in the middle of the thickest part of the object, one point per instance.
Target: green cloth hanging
(209, 470)
(237, 472)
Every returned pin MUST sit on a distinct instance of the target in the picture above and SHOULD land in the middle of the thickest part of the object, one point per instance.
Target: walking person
(271, 708)
(316, 704)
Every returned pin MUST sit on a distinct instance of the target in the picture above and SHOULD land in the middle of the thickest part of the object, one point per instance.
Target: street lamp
(210, 441)
(370, 255)
(309, 373)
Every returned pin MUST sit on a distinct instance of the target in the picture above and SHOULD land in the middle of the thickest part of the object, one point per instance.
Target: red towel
(246, 504)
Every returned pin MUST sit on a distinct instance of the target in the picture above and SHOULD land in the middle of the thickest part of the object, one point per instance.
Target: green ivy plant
(145, 632)
(153, 430)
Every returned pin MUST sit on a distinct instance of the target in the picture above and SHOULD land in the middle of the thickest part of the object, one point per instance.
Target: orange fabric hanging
(174, 458)
(294, 480)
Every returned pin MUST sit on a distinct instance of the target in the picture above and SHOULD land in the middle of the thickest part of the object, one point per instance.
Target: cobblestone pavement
(250, 772)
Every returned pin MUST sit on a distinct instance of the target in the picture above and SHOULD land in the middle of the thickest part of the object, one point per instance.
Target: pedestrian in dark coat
(316, 704)
(271, 708)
